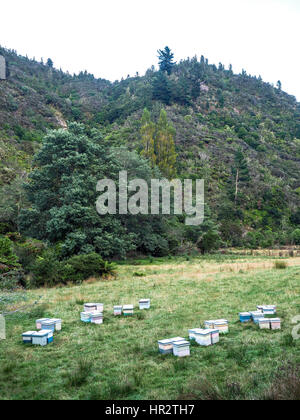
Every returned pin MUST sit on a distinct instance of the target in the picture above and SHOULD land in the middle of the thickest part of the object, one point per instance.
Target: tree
(166, 62)
(165, 146)
(49, 63)
(62, 193)
(7, 256)
(161, 89)
(147, 134)
(279, 85)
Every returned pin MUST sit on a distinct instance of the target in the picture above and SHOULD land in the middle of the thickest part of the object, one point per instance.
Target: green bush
(81, 267)
(49, 271)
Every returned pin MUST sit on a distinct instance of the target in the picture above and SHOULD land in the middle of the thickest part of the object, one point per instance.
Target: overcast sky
(114, 38)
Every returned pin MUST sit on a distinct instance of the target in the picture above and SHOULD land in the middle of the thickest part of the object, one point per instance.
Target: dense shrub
(49, 271)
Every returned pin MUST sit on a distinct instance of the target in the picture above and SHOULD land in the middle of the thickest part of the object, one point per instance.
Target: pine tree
(165, 146)
(148, 133)
(166, 62)
(161, 88)
(49, 63)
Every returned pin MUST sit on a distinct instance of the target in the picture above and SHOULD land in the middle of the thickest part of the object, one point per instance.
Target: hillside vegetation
(240, 134)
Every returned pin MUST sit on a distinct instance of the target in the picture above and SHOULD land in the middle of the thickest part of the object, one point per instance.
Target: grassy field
(120, 360)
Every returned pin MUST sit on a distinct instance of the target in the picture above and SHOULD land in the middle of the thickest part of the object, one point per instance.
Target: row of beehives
(258, 317)
(46, 327)
(208, 336)
(93, 312)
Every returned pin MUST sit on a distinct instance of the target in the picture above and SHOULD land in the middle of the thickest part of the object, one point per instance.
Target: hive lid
(127, 307)
(42, 333)
(144, 300)
(49, 322)
(175, 339)
(221, 322)
(274, 319)
(96, 313)
(182, 343)
(28, 333)
(165, 341)
(204, 332)
(118, 306)
(90, 304)
(42, 319)
(245, 314)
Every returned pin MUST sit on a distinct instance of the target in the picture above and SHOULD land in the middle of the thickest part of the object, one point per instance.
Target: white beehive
(264, 324)
(203, 337)
(165, 346)
(39, 323)
(275, 323)
(118, 310)
(181, 348)
(97, 318)
(144, 303)
(128, 310)
(90, 307)
(58, 323)
(40, 338)
(48, 325)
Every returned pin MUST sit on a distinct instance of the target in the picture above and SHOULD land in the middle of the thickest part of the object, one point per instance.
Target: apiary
(27, 337)
(181, 348)
(128, 310)
(144, 303)
(118, 310)
(245, 317)
(97, 318)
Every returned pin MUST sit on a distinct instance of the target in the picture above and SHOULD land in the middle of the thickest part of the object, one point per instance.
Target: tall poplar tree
(148, 141)
(165, 146)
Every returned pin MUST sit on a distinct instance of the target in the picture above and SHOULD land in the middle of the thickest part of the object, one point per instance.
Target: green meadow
(120, 359)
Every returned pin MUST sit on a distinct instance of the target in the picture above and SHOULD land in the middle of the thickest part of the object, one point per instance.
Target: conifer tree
(166, 62)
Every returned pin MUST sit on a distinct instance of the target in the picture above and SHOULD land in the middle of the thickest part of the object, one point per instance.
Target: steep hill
(239, 133)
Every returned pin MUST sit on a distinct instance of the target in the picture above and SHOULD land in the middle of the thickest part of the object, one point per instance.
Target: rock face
(2, 68)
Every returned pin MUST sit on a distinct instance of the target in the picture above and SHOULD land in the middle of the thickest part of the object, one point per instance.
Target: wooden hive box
(256, 316)
(27, 337)
(39, 323)
(48, 325)
(144, 303)
(264, 324)
(97, 318)
(90, 307)
(181, 348)
(203, 337)
(165, 346)
(58, 323)
(118, 310)
(128, 310)
(267, 309)
(40, 338)
(86, 316)
(222, 326)
(245, 317)
(275, 323)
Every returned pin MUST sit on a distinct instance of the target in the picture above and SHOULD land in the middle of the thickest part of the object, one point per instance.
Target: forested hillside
(240, 134)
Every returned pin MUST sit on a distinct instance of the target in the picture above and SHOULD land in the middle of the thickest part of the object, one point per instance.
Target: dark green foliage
(166, 62)
(8, 259)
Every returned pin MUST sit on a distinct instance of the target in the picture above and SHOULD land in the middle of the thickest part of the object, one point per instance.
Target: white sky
(114, 38)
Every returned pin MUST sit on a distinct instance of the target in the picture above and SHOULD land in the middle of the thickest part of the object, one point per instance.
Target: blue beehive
(256, 316)
(86, 316)
(49, 325)
(27, 337)
(245, 317)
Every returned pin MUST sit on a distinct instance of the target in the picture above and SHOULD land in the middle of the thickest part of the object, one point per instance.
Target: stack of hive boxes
(218, 324)
(128, 310)
(46, 327)
(167, 346)
(144, 303)
(258, 317)
(93, 313)
(118, 310)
